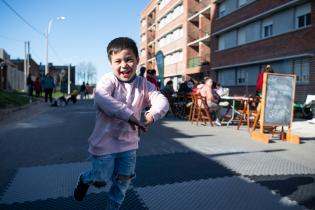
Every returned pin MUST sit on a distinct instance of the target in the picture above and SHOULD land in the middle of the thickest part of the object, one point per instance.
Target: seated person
(212, 99)
(187, 86)
(73, 96)
(168, 92)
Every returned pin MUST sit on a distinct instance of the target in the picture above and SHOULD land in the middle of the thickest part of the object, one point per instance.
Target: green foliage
(12, 99)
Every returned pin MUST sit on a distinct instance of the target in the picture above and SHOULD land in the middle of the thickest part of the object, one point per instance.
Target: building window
(142, 36)
(304, 20)
(178, 10)
(267, 25)
(173, 57)
(170, 37)
(143, 22)
(241, 36)
(221, 43)
(142, 52)
(227, 77)
(301, 68)
(268, 30)
(303, 15)
(241, 77)
(222, 10)
(241, 3)
(162, 3)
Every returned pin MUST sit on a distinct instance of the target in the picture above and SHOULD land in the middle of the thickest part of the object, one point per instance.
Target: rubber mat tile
(91, 202)
(180, 167)
(300, 188)
(215, 194)
(43, 182)
(261, 163)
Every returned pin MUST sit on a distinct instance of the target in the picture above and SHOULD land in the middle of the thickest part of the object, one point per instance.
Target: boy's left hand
(148, 119)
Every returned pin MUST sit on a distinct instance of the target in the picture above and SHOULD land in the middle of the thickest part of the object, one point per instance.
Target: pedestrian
(142, 71)
(29, 83)
(49, 85)
(82, 91)
(151, 77)
(37, 87)
(266, 69)
(119, 98)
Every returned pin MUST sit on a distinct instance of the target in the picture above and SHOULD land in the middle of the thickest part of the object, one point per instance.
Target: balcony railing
(151, 55)
(197, 7)
(198, 34)
(199, 61)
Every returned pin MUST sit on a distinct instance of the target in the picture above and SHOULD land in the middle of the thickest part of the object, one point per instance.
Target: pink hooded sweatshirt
(115, 102)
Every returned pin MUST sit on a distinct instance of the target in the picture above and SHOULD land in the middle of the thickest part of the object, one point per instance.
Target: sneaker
(217, 122)
(80, 190)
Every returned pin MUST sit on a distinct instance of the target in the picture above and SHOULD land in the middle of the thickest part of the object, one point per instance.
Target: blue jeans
(118, 168)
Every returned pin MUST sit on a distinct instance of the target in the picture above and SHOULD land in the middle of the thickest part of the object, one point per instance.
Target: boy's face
(124, 64)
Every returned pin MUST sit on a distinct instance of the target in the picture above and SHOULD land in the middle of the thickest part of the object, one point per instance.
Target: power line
(23, 19)
(11, 39)
(56, 54)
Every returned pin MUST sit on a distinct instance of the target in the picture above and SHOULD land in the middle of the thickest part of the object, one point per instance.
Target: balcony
(201, 8)
(199, 61)
(199, 35)
(151, 38)
(151, 55)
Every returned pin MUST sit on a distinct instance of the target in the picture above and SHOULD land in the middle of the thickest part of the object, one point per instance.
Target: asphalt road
(179, 165)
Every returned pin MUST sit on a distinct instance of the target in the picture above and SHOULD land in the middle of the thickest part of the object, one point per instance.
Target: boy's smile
(124, 64)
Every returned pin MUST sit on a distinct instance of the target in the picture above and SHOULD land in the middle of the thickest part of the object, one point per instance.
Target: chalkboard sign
(278, 99)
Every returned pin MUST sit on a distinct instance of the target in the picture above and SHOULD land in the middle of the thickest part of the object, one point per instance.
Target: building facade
(248, 34)
(231, 41)
(180, 29)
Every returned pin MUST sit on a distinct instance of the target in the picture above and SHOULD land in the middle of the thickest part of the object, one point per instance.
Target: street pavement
(179, 165)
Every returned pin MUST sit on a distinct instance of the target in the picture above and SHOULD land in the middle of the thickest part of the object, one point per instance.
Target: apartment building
(248, 34)
(180, 29)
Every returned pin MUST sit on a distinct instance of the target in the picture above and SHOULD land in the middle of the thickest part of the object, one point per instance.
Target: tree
(86, 71)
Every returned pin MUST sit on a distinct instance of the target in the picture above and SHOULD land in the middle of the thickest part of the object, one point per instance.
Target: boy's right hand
(134, 122)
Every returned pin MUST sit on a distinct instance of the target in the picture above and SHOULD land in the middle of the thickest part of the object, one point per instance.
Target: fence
(12, 79)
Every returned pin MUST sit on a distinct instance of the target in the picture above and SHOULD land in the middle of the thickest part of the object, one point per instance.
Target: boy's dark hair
(119, 44)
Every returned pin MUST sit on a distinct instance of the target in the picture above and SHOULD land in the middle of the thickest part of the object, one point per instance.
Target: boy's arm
(159, 104)
(109, 105)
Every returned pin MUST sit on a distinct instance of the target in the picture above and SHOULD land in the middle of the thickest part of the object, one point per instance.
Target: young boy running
(120, 98)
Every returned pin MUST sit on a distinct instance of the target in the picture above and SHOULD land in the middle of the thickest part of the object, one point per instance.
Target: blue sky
(81, 37)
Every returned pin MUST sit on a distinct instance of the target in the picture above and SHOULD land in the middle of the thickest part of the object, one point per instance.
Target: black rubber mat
(300, 188)
(179, 167)
(91, 202)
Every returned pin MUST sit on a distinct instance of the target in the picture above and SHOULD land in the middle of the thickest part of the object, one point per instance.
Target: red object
(260, 80)
(37, 86)
(154, 81)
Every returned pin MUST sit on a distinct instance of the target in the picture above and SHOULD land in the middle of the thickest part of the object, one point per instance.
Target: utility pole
(69, 69)
(28, 57)
(25, 68)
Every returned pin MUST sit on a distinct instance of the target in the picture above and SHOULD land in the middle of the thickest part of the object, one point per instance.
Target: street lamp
(46, 37)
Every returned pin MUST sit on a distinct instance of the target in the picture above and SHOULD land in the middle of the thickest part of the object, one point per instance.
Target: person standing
(120, 98)
(267, 69)
(37, 87)
(29, 83)
(82, 91)
(49, 86)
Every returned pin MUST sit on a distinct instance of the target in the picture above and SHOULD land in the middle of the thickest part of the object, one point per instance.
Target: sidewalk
(186, 167)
